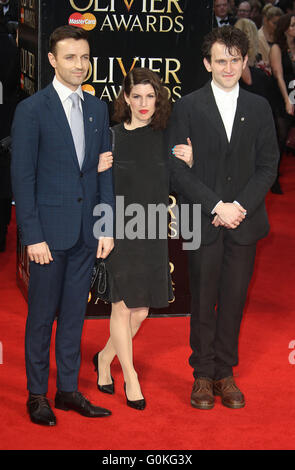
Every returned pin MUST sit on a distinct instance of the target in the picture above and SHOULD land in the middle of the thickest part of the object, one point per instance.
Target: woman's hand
(105, 161)
(289, 107)
(105, 246)
(184, 152)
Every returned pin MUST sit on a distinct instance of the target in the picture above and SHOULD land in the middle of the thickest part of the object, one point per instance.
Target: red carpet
(161, 350)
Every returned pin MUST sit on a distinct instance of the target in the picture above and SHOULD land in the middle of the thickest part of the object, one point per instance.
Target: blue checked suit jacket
(54, 198)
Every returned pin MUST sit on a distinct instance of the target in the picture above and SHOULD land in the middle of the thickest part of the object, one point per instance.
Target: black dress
(284, 121)
(138, 268)
(261, 85)
(289, 75)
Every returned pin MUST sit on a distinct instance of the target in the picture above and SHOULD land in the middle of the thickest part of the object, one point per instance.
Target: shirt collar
(221, 94)
(64, 92)
(225, 18)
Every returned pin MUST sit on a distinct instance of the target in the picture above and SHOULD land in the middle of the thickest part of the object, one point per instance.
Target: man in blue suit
(57, 135)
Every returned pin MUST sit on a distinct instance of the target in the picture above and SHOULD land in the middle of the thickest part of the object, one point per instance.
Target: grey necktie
(77, 127)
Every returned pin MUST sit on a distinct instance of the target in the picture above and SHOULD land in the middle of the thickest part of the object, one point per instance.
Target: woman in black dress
(138, 267)
(282, 60)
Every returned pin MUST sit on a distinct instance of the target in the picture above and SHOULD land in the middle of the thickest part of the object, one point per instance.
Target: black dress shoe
(136, 404)
(77, 402)
(40, 411)
(109, 388)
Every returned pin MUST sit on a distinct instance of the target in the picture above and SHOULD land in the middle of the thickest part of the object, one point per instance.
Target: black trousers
(220, 274)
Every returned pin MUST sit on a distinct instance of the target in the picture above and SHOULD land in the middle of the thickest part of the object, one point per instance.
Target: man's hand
(105, 246)
(40, 253)
(230, 214)
(217, 222)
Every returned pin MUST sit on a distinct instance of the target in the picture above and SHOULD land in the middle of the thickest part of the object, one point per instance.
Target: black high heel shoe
(109, 388)
(136, 404)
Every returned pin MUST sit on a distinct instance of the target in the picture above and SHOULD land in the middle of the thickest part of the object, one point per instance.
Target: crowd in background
(270, 27)
(9, 97)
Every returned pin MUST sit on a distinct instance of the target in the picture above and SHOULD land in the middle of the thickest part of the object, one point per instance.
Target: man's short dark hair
(66, 32)
(231, 37)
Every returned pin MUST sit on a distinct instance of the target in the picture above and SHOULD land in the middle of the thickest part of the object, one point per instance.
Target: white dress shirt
(227, 105)
(64, 92)
(226, 102)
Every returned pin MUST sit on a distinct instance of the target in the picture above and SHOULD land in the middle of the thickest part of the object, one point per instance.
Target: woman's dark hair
(66, 32)
(282, 26)
(231, 37)
(143, 76)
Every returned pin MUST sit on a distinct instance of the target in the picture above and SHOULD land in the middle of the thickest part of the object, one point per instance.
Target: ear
(207, 65)
(52, 59)
(126, 99)
(245, 61)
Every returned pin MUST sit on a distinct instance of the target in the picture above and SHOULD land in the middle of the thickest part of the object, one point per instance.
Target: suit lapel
(216, 119)
(214, 114)
(240, 119)
(88, 120)
(57, 110)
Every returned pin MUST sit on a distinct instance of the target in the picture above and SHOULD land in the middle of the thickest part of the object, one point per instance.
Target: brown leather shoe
(202, 394)
(231, 395)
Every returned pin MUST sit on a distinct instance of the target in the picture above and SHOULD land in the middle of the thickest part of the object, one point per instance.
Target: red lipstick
(144, 111)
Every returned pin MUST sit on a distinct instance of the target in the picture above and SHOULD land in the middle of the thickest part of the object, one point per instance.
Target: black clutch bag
(99, 281)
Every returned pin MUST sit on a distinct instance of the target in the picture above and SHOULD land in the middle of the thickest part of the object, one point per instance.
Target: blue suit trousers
(60, 288)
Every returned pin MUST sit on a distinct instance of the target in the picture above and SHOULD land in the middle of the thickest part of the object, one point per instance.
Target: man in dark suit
(10, 10)
(244, 10)
(236, 156)
(57, 135)
(9, 95)
(222, 15)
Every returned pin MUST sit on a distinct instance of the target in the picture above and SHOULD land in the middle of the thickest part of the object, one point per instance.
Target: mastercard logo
(89, 89)
(86, 21)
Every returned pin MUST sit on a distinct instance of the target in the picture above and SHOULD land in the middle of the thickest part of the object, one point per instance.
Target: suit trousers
(60, 288)
(220, 274)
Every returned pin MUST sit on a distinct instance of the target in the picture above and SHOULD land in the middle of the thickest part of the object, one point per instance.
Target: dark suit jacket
(12, 13)
(54, 198)
(242, 170)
